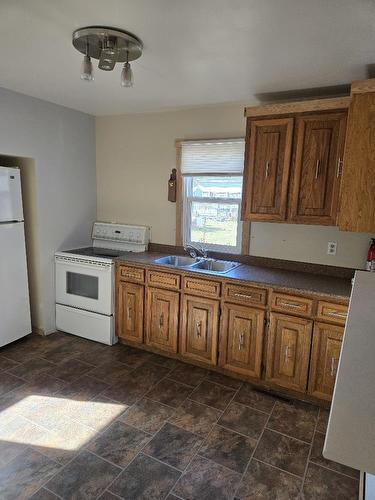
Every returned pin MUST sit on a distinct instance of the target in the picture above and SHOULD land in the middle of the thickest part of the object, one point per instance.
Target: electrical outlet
(332, 248)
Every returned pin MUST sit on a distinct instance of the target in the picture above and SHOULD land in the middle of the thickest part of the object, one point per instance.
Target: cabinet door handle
(339, 167)
(286, 354)
(267, 169)
(317, 169)
(333, 367)
(198, 326)
(161, 320)
(241, 342)
(129, 313)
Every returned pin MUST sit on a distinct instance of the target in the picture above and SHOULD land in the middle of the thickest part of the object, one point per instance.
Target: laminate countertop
(289, 281)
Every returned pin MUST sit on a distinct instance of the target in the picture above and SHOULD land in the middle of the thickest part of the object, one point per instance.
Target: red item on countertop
(370, 264)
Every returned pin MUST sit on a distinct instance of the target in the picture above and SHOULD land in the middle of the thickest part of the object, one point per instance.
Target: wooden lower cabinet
(162, 319)
(288, 351)
(130, 307)
(241, 340)
(200, 327)
(326, 348)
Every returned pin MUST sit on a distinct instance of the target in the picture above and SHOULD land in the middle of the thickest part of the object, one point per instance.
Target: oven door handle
(83, 263)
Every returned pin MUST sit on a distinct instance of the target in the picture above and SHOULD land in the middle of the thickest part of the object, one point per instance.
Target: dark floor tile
(243, 419)
(119, 443)
(263, 482)
(188, 374)
(9, 382)
(249, 396)
(317, 457)
(108, 496)
(228, 448)
(163, 361)
(24, 475)
(87, 476)
(296, 419)
(84, 388)
(57, 354)
(45, 385)
(322, 423)
(212, 395)
(145, 479)
(195, 417)
(70, 370)
(149, 373)
(204, 479)
(323, 484)
(132, 357)
(7, 364)
(32, 369)
(147, 415)
(172, 497)
(219, 378)
(128, 392)
(283, 452)
(103, 412)
(110, 372)
(169, 392)
(44, 494)
(173, 446)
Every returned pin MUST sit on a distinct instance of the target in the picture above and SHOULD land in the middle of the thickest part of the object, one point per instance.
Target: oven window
(82, 285)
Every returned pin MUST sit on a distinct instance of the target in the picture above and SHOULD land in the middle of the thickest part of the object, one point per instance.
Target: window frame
(242, 247)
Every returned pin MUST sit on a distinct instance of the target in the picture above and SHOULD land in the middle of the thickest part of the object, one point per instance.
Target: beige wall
(135, 154)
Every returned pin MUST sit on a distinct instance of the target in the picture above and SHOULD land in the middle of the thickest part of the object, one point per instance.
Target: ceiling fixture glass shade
(86, 69)
(110, 46)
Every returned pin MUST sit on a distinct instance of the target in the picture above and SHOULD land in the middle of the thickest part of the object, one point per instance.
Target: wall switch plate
(332, 248)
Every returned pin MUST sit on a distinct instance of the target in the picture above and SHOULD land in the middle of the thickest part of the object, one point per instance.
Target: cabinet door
(130, 307)
(162, 319)
(325, 357)
(268, 150)
(242, 339)
(317, 168)
(288, 351)
(199, 332)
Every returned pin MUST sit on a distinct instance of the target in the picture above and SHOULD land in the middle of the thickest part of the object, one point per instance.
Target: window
(211, 196)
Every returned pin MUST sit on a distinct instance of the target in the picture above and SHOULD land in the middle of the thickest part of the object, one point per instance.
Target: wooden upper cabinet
(162, 319)
(199, 332)
(130, 307)
(326, 348)
(266, 173)
(241, 340)
(288, 351)
(317, 167)
(357, 198)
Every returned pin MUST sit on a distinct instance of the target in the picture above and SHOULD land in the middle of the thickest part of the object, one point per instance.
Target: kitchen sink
(217, 266)
(177, 261)
(198, 263)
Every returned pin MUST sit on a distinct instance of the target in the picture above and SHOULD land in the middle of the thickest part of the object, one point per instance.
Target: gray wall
(62, 143)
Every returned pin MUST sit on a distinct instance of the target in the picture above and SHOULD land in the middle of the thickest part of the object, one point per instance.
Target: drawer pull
(337, 314)
(161, 320)
(129, 275)
(289, 304)
(333, 367)
(241, 342)
(198, 328)
(243, 295)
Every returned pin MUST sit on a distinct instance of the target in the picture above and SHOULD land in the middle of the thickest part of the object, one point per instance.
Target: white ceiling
(196, 52)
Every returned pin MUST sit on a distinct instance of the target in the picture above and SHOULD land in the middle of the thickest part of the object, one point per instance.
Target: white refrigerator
(15, 319)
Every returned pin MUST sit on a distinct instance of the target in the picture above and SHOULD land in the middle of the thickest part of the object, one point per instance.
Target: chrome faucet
(196, 251)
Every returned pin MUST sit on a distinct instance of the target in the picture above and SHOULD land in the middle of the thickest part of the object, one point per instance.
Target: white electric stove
(85, 281)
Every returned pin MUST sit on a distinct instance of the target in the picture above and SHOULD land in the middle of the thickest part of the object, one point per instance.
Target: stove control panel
(121, 236)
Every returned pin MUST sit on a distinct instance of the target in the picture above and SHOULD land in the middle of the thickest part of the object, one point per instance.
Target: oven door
(85, 284)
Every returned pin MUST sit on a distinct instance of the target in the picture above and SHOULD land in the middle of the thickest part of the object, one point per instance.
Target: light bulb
(86, 69)
(127, 76)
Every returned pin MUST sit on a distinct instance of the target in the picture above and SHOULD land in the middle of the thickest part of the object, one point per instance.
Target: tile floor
(85, 421)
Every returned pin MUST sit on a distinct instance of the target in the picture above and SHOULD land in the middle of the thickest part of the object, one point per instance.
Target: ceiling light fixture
(109, 46)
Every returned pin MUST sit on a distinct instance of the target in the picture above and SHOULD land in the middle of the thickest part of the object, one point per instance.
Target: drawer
(204, 288)
(291, 304)
(164, 280)
(329, 311)
(132, 273)
(245, 294)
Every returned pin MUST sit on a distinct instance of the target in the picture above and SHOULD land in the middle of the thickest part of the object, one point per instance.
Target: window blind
(224, 156)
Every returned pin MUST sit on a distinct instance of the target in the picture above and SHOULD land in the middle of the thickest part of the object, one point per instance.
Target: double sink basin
(198, 263)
